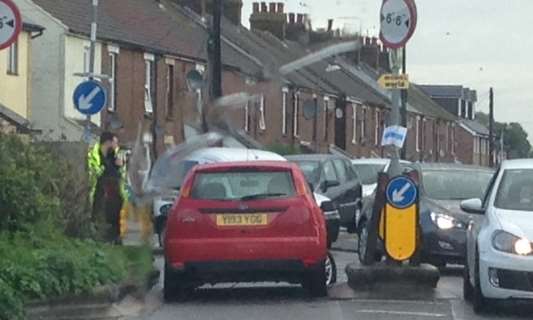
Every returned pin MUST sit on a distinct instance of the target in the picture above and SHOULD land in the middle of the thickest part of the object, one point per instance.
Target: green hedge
(37, 267)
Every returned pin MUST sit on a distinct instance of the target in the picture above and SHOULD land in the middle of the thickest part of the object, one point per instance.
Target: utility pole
(404, 100)
(395, 119)
(491, 128)
(214, 60)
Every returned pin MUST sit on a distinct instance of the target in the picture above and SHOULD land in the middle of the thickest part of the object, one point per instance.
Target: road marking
(404, 313)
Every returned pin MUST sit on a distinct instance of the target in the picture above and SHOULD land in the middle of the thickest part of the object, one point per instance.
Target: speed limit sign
(398, 22)
(10, 23)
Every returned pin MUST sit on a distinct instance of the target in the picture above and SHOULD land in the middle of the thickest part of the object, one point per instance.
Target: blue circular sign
(90, 97)
(401, 192)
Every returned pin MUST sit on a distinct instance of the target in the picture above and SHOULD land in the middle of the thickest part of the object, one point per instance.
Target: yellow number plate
(228, 220)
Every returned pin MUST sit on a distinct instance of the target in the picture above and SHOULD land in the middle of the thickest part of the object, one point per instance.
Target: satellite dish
(310, 109)
(195, 80)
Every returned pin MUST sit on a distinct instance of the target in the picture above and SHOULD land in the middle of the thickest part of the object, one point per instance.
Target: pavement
(279, 301)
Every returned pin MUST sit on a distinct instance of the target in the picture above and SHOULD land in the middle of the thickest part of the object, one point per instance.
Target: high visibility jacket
(97, 168)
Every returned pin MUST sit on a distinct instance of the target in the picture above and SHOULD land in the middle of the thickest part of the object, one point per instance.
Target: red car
(245, 222)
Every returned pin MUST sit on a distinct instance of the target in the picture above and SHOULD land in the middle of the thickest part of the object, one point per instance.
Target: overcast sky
(475, 43)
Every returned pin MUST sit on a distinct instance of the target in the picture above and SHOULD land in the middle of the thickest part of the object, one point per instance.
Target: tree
(516, 143)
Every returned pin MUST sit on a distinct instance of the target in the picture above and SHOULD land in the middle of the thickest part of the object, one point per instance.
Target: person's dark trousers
(106, 209)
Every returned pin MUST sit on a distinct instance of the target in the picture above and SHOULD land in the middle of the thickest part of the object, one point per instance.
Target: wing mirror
(473, 206)
(329, 184)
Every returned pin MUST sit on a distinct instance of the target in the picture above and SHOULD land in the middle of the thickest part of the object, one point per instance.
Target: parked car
(163, 203)
(246, 222)
(499, 243)
(368, 169)
(334, 177)
(443, 223)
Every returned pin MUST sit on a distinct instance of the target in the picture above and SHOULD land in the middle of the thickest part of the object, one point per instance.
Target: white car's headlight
(509, 243)
(446, 222)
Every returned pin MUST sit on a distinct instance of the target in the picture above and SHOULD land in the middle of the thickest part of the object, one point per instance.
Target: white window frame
(247, 117)
(13, 59)
(111, 106)
(376, 129)
(418, 128)
(453, 139)
(363, 123)
(326, 107)
(148, 65)
(284, 98)
(475, 147)
(295, 131)
(86, 59)
(262, 118)
(354, 123)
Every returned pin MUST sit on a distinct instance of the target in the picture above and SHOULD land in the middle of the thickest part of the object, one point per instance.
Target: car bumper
(514, 275)
(244, 271)
(308, 250)
(448, 246)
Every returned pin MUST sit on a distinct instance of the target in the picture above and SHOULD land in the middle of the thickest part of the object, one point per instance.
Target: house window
(363, 125)
(148, 87)
(86, 59)
(418, 134)
(170, 91)
(13, 59)
(476, 146)
(112, 106)
(284, 111)
(376, 127)
(447, 138)
(354, 123)
(326, 120)
(247, 117)
(262, 120)
(296, 129)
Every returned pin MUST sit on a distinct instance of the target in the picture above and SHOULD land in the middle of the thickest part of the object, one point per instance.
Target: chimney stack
(292, 18)
(330, 25)
(270, 18)
(281, 7)
(300, 18)
(256, 7)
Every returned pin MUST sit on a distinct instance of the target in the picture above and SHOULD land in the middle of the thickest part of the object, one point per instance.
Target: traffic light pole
(404, 100)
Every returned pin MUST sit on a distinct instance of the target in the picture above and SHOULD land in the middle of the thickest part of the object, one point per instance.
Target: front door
(340, 123)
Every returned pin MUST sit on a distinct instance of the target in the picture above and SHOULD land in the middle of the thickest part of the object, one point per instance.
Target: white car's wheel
(331, 270)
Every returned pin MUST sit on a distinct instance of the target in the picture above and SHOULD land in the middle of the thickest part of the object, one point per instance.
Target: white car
(499, 243)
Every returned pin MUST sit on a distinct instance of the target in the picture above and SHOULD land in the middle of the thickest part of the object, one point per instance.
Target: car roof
(245, 165)
(451, 167)
(381, 161)
(233, 154)
(313, 157)
(518, 164)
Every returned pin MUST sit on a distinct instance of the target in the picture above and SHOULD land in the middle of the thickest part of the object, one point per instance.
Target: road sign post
(10, 23)
(398, 23)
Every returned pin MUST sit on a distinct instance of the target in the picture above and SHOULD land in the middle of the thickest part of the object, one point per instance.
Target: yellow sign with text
(400, 228)
(394, 81)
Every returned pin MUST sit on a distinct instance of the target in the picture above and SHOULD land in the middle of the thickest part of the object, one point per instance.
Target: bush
(29, 181)
(37, 266)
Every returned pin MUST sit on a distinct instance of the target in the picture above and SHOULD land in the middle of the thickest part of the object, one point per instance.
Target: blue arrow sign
(90, 97)
(401, 192)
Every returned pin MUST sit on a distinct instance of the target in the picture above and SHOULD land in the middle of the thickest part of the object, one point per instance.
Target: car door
(330, 174)
(349, 186)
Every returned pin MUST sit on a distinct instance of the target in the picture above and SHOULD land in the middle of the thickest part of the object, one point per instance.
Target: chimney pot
(264, 7)
(272, 8)
(330, 25)
(300, 18)
(374, 41)
(292, 18)
(256, 7)
(281, 7)
(367, 41)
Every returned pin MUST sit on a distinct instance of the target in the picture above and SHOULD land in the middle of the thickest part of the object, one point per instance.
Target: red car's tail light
(185, 192)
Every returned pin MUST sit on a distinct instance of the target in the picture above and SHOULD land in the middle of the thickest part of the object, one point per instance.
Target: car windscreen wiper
(261, 196)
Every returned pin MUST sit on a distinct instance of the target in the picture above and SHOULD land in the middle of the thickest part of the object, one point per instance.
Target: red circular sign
(398, 22)
(10, 23)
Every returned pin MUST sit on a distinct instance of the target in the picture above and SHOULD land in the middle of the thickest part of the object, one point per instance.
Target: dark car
(333, 177)
(443, 223)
